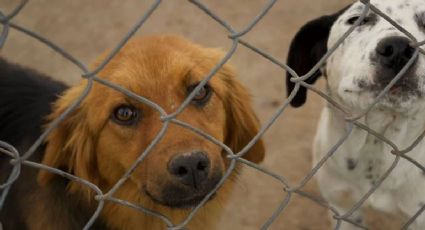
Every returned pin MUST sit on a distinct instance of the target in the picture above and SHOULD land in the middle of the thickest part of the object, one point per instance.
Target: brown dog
(105, 135)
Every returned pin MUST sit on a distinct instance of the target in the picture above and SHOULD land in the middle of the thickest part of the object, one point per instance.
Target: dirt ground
(86, 28)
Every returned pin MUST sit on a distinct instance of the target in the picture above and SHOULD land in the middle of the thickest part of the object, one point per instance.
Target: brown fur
(92, 147)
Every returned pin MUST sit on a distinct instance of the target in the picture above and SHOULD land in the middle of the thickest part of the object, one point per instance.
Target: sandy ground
(85, 28)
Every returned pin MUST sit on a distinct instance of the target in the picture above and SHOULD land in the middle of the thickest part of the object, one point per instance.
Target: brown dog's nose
(190, 170)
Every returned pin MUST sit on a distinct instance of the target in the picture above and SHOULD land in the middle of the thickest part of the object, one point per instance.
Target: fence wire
(21, 159)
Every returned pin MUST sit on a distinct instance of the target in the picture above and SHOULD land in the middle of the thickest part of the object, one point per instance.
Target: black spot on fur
(370, 168)
(351, 164)
(369, 171)
(362, 83)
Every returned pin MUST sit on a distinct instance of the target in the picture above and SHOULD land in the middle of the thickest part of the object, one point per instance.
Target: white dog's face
(373, 55)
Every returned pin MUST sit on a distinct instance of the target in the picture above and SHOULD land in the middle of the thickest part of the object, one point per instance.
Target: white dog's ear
(307, 48)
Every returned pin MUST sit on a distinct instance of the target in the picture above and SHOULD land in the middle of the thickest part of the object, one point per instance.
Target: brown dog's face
(109, 131)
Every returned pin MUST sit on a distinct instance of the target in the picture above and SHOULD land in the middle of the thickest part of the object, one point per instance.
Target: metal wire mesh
(21, 159)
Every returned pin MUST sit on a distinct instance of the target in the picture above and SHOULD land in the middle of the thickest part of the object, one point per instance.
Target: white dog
(356, 73)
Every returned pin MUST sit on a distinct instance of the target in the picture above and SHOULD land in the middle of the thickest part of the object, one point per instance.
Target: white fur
(399, 120)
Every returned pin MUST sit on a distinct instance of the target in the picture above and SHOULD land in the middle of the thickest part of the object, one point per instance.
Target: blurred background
(86, 28)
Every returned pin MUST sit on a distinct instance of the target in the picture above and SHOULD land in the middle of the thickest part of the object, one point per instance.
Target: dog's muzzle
(391, 55)
(192, 178)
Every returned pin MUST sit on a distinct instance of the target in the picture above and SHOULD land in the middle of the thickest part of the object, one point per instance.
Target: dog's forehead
(390, 7)
(410, 14)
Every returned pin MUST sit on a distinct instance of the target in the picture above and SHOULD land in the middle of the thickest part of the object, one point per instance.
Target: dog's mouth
(181, 197)
(404, 88)
(400, 96)
(186, 203)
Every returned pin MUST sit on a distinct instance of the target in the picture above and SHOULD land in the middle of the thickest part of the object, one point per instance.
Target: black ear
(307, 48)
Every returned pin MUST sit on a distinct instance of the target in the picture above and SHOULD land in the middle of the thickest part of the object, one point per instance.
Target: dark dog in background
(25, 99)
(104, 136)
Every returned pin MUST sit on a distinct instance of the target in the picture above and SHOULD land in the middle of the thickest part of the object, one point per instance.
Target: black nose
(190, 169)
(394, 52)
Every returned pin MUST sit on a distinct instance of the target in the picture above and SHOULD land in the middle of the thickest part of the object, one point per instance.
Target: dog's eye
(125, 115)
(203, 95)
(420, 19)
(354, 19)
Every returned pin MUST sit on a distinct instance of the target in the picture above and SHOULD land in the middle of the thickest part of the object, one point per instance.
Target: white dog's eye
(420, 19)
(354, 19)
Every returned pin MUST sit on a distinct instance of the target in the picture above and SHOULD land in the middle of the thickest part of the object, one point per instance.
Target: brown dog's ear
(241, 122)
(307, 48)
(69, 146)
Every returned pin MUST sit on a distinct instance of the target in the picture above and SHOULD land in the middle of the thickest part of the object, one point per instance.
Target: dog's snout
(394, 52)
(191, 170)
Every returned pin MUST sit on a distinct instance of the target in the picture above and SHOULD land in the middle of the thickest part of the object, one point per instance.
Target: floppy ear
(307, 48)
(241, 122)
(70, 146)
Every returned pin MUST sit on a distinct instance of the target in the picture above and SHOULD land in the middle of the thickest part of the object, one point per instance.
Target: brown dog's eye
(125, 115)
(203, 95)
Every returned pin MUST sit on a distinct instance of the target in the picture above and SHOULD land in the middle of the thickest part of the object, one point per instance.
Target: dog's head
(371, 56)
(109, 131)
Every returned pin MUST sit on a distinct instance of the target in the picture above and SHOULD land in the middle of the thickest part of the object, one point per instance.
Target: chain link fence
(18, 160)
